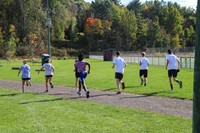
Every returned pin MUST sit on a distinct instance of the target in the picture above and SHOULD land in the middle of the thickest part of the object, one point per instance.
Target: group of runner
(172, 65)
(80, 74)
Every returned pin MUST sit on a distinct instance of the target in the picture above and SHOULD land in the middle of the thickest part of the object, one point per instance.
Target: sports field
(102, 77)
(44, 113)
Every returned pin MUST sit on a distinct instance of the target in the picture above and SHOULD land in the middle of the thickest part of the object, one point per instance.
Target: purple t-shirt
(80, 66)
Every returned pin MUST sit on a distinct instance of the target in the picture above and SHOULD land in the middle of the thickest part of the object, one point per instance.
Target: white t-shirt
(144, 63)
(172, 61)
(48, 68)
(120, 64)
(25, 71)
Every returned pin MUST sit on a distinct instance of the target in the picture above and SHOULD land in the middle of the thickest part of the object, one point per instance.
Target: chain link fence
(133, 57)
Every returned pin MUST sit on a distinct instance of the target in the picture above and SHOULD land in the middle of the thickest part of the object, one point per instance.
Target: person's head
(169, 51)
(143, 53)
(80, 57)
(48, 60)
(117, 53)
(24, 61)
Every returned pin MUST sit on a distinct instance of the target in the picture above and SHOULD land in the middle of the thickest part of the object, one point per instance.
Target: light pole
(48, 24)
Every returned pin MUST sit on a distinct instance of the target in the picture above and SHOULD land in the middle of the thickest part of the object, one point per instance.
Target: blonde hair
(24, 61)
(143, 53)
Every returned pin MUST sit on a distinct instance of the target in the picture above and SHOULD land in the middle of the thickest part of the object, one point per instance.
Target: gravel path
(174, 107)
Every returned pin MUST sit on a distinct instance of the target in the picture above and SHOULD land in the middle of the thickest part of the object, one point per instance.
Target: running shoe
(119, 92)
(51, 85)
(123, 85)
(87, 94)
(180, 84)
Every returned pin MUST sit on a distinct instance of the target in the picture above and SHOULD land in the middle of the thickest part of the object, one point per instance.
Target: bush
(22, 51)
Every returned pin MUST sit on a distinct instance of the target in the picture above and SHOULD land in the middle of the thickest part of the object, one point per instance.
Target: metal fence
(185, 62)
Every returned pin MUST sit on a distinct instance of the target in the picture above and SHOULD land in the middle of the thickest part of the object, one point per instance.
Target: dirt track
(174, 107)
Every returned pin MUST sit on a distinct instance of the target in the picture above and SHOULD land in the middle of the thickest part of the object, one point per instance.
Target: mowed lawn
(40, 113)
(102, 77)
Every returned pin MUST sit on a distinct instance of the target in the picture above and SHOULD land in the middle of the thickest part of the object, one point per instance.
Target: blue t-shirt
(25, 71)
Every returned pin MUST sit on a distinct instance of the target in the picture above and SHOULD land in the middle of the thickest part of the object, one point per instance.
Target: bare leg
(46, 83)
(76, 84)
(23, 85)
(118, 84)
(170, 82)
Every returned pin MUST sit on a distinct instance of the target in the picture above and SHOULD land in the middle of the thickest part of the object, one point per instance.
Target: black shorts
(143, 73)
(48, 75)
(119, 76)
(77, 75)
(172, 72)
(26, 78)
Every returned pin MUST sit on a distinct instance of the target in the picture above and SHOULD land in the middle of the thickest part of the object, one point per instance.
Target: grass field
(37, 113)
(102, 77)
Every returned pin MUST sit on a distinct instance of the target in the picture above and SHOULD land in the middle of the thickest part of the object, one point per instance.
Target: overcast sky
(188, 3)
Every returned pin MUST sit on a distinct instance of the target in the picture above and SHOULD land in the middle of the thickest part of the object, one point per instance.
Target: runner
(172, 64)
(80, 66)
(144, 63)
(26, 74)
(49, 70)
(120, 64)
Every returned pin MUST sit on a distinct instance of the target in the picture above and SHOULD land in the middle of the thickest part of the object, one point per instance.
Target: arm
(40, 69)
(88, 68)
(19, 72)
(167, 63)
(113, 66)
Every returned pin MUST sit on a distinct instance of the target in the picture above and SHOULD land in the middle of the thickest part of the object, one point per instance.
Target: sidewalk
(174, 107)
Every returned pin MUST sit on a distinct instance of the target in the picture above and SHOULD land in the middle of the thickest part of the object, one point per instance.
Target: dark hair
(80, 57)
(47, 60)
(117, 53)
(169, 51)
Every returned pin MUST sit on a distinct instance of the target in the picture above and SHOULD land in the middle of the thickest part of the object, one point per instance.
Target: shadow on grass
(9, 95)
(50, 100)
(146, 95)
(133, 86)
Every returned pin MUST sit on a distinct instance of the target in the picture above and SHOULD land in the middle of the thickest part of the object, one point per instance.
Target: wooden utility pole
(196, 91)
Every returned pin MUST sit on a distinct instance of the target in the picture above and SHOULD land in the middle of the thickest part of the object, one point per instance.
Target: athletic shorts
(172, 72)
(77, 74)
(82, 75)
(48, 75)
(26, 78)
(143, 73)
(119, 76)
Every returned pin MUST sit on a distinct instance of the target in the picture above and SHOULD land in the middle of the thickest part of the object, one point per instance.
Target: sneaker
(46, 91)
(51, 85)
(141, 82)
(119, 92)
(87, 94)
(145, 84)
(180, 84)
(79, 93)
(29, 83)
(123, 85)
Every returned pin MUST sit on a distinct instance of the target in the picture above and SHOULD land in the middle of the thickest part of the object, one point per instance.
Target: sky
(188, 3)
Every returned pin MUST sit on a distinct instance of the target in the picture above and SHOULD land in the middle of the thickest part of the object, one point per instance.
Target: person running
(172, 64)
(80, 66)
(49, 70)
(26, 74)
(144, 63)
(76, 76)
(120, 64)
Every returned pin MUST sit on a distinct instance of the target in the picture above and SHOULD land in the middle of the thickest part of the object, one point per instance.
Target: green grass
(102, 77)
(40, 113)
